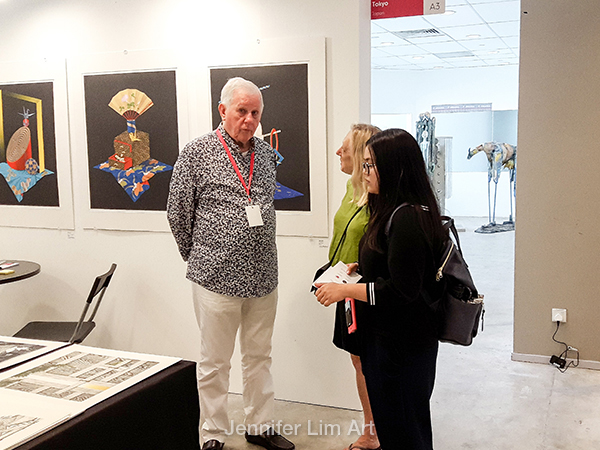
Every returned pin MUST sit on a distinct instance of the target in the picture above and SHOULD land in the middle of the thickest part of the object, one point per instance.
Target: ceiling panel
(505, 29)
(429, 59)
(479, 2)
(462, 33)
(435, 66)
(499, 11)
(410, 50)
(442, 47)
(488, 44)
(494, 54)
(443, 37)
(512, 42)
(467, 62)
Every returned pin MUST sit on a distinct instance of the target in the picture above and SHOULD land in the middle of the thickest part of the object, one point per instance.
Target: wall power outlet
(559, 315)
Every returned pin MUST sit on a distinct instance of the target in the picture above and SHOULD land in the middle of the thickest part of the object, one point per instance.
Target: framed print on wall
(128, 121)
(291, 76)
(35, 181)
(284, 89)
(132, 138)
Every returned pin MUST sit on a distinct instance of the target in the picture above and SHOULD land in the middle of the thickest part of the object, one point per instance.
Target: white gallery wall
(410, 93)
(148, 305)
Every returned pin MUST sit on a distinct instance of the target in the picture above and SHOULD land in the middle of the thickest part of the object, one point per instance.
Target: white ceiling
(472, 33)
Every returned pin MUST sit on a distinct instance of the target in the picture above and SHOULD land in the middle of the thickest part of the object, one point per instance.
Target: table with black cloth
(160, 412)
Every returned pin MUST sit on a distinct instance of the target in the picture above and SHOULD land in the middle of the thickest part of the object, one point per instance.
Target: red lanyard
(246, 187)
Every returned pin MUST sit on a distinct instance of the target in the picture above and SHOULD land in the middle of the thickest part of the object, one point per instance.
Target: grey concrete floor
(482, 400)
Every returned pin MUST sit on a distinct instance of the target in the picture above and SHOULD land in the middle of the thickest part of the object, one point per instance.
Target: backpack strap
(388, 225)
(448, 225)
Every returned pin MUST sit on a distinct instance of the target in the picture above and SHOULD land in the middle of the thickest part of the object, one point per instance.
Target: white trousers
(219, 318)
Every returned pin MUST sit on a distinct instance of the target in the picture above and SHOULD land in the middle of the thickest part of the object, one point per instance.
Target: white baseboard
(541, 359)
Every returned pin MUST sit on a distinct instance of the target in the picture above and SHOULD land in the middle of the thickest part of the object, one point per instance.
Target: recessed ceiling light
(438, 67)
(449, 12)
(473, 36)
(493, 52)
(418, 57)
(386, 43)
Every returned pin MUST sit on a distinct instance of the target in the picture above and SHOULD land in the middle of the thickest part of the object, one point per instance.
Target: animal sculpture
(500, 156)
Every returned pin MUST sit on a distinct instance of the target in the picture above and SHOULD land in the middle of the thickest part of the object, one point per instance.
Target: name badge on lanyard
(252, 211)
(254, 216)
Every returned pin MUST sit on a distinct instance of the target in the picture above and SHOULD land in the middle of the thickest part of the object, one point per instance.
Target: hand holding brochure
(338, 274)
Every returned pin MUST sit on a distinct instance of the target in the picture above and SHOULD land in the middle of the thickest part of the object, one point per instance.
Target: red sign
(385, 9)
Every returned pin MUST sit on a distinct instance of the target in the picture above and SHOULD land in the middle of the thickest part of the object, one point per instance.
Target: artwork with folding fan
(132, 147)
(131, 164)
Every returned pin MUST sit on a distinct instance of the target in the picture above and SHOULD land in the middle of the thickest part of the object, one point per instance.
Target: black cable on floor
(563, 355)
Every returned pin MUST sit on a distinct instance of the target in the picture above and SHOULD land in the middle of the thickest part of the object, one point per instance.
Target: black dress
(399, 340)
(341, 338)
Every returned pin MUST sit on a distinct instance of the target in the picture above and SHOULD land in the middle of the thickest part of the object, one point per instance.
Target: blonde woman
(352, 216)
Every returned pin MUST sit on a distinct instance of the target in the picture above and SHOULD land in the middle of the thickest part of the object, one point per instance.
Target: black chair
(72, 332)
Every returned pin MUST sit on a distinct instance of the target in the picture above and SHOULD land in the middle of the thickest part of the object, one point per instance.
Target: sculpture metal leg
(510, 190)
(489, 204)
(495, 191)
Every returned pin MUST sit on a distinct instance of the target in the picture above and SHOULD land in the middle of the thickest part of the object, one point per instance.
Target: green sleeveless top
(348, 251)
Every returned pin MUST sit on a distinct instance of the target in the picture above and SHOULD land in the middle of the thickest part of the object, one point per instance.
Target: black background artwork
(286, 109)
(103, 124)
(45, 192)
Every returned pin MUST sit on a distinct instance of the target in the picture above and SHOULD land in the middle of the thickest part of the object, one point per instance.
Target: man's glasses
(367, 167)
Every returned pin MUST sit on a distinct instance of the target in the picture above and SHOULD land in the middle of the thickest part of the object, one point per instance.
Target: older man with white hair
(222, 216)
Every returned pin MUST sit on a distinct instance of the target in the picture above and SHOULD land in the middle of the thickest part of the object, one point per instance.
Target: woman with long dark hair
(397, 260)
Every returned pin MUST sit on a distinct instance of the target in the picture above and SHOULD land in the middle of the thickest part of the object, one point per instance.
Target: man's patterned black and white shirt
(207, 215)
